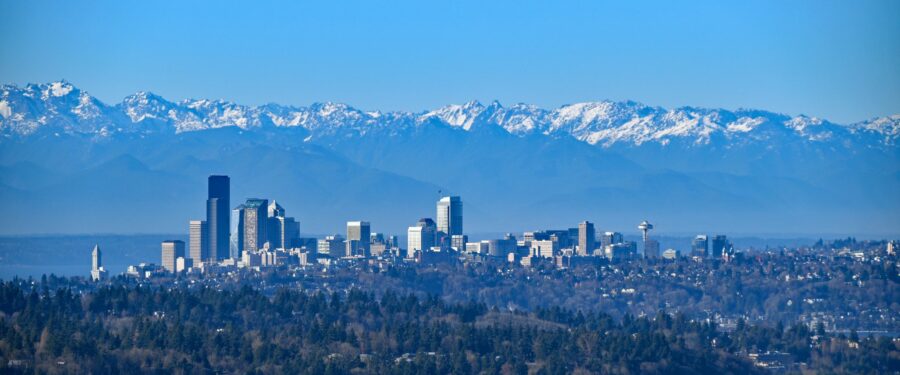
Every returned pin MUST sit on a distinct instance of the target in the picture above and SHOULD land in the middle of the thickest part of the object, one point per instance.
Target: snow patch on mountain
(58, 89)
(460, 116)
(5, 109)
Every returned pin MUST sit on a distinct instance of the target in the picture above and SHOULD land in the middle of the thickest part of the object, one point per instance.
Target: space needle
(645, 227)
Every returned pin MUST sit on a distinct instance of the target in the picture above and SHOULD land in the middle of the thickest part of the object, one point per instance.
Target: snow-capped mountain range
(60, 107)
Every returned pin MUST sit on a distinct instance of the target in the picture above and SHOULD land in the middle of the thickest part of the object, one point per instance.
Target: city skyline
(262, 236)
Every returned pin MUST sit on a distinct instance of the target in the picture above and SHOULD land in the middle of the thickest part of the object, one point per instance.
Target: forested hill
(127, 329)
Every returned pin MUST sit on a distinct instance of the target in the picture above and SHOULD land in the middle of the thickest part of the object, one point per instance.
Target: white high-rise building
(450, 216)
(414, 241)
(198, 248)
(171, 250)
(421, 239)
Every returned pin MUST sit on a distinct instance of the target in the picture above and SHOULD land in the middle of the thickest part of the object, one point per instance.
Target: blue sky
(835, 59)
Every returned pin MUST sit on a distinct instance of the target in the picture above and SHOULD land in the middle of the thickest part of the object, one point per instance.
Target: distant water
(65, 255)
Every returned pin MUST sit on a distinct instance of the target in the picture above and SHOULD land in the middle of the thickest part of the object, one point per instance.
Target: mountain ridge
(62, 107)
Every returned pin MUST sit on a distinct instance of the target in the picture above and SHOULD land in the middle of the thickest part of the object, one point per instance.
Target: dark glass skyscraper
(218, 216)
(719, 246)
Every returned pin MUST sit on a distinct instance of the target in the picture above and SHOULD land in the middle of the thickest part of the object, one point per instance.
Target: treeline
(128, 329)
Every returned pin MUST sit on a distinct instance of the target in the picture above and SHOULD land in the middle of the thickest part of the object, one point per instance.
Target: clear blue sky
(835, 59)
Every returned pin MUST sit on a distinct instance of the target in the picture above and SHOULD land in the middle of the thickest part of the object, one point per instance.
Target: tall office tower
(358, 231)
(430, 227)
(198, 250)
(651, 248)
(171, 250)
(450, 216)
(585, 238)
(290, 232)
(719, 246)
(275, 225)
(281, 230)
(236, 242)
(254, 222)
(97, 271)
(420, 237)
(700, 246)
(218, 204)
(413, 241)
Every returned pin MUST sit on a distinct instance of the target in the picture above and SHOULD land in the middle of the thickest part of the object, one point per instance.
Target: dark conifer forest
(133, 329)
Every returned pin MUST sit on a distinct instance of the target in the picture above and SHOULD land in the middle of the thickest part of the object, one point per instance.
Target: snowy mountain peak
(59, 88)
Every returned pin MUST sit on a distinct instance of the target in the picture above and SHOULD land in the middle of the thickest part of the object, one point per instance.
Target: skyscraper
(420, 237)
(719, 246)
(275, 225)
(414, 240)
(585, 238)
(253, 221)
(449, 218)
(171, 250)
(97, 271)
(290, 232)
(281, 230)
(700, 246)
(198, 249)
(358, 238)
(217, 216)
(236, 242)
